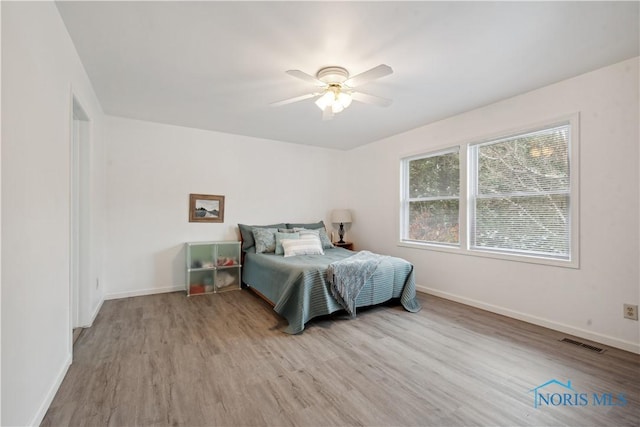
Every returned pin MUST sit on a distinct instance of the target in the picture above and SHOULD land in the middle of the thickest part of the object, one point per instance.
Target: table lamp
(342, 217)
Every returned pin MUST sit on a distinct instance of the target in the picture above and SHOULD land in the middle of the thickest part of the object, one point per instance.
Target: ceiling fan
(336, 89)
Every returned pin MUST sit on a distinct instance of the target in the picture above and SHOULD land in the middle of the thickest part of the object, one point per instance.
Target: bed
(298, 286)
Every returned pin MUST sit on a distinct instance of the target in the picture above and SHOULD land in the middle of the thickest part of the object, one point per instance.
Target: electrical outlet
(631, 311)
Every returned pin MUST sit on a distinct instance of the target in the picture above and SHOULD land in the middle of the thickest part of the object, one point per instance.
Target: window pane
(522, 194)
(531, 163)
(538, 224)
(434, 176)
(434, 221)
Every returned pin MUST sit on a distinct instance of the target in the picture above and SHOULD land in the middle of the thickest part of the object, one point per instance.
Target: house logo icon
(567, 396)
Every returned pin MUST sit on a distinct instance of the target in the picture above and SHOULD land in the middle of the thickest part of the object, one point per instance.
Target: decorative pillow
(321, 233)
(281, 236)
(310, 226)
(246, 231)
(324, 239)
(286, 230)
(310, 246)
(265, 239)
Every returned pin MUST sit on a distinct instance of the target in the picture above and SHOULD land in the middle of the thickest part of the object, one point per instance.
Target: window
(520, 194)
(509, 197)
(432, 198)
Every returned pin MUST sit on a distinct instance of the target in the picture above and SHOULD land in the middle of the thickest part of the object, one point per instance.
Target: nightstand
(346, 245)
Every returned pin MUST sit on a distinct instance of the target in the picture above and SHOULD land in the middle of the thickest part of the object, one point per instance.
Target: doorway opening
(79, 222)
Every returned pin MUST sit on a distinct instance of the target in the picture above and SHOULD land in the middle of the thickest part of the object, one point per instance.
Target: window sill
(487, 254)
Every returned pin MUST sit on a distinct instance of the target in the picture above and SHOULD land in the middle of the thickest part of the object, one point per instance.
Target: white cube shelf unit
(213, 267)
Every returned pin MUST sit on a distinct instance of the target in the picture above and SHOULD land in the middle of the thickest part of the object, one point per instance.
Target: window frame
(466, 204)
(405, 199)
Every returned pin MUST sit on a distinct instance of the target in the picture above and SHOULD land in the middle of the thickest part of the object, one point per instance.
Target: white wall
(586, 301)
(152, 169)
(0, 217)
(40, 71)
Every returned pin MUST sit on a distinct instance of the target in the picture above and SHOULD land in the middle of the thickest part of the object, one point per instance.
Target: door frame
(79, 217)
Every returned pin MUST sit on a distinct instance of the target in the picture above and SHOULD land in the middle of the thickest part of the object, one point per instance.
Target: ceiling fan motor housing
(332, 75)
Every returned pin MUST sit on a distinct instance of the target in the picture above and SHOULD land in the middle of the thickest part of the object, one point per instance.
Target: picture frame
(206, 208)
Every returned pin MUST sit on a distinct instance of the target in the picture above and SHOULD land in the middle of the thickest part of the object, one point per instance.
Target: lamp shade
(325, 100)
(334, 98)
(341, 216)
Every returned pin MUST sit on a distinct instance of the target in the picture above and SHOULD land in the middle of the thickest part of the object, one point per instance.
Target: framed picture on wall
(206, 208)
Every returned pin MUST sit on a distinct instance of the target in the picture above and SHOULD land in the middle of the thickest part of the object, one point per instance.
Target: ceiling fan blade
(294, 99)
(371, 99)
(327, 113)
(367, 76)
(306, 77)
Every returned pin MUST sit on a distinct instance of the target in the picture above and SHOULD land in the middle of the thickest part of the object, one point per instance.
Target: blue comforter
(298, 288)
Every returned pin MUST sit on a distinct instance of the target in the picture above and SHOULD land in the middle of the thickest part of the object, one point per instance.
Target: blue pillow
(286, 230)
(285, 235)
(247, 233)
(265, 239)
(311, 226)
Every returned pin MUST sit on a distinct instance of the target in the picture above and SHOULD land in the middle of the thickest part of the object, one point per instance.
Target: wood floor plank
(222, 360)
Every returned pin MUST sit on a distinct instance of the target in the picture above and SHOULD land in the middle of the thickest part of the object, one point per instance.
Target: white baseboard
(46, 403)
(142, 292)
(95, 313)
(592, 336)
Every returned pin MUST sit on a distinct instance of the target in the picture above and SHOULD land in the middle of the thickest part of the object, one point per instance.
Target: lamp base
(341, 233)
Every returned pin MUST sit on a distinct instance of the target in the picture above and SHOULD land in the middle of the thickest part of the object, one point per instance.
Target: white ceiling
(217, 65)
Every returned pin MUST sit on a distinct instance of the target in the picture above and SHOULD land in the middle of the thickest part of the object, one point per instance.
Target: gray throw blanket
(348, 276)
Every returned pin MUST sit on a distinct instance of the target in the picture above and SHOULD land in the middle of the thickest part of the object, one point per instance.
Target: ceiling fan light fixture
(344, 99)
(326, 100)
(334, 98)
(336, 107)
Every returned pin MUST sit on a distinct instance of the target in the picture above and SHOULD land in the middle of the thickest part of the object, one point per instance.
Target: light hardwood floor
(222, 360)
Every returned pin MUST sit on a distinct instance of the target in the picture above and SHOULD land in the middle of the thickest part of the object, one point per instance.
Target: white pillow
(307, 246)
(284, 236)
(321, 233)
